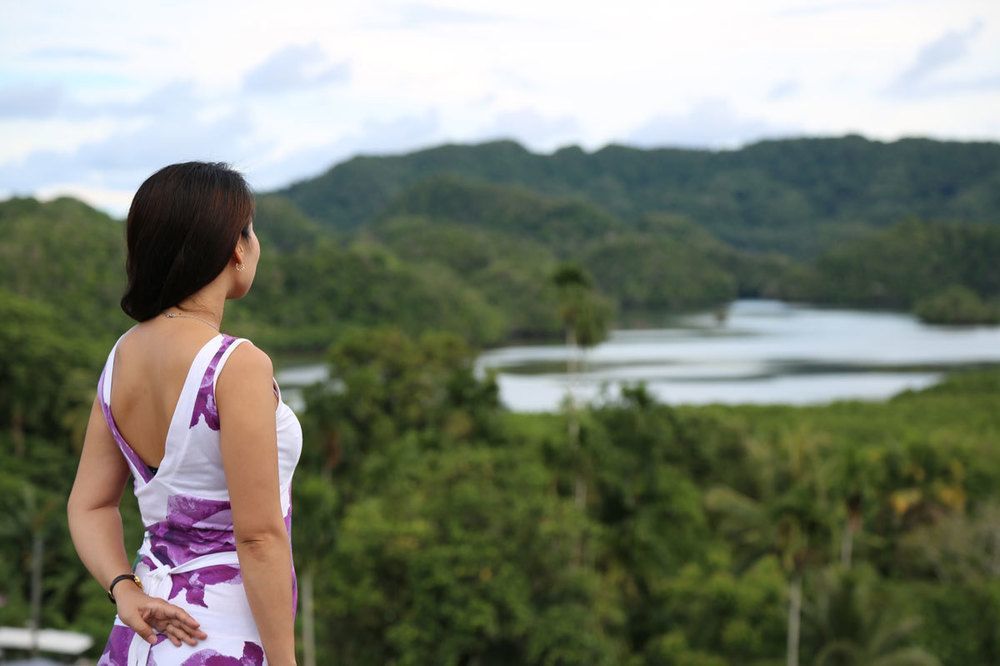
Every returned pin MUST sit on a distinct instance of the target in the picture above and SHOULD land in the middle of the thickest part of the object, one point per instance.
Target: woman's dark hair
(183, 225)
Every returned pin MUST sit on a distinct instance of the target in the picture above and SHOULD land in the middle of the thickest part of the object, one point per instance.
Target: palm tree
(314, 510)
(585, 315)
(850, 471)
(854, 629)
(787, 519)
(25, 514)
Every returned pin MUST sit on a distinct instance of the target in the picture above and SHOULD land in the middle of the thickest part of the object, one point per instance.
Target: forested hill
(797, 196)
(467, 238)
(436, 527)
(65, 255)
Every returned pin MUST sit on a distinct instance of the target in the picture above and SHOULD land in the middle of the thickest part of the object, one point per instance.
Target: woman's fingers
(173, 639)
(178, 634)
(139, 625)
(182, 632)
(180, 629)
(168, 611)
(153, 616)
(172, 621)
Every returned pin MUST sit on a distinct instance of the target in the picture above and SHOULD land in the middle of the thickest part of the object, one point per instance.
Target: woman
(197, 419)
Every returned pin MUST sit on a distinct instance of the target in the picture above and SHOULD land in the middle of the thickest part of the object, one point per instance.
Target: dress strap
(139, 469)
(109, 364)
(204, 404)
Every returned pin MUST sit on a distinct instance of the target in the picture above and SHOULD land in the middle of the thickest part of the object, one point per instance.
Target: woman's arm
(248, 439)
(95, 525)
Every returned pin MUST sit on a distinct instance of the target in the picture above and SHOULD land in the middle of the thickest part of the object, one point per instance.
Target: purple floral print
(204, 402)
(194, 582)
(194, 526)
(253, 655)
(116, 649)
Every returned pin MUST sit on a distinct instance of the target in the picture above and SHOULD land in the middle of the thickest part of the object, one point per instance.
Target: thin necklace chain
(171, 315)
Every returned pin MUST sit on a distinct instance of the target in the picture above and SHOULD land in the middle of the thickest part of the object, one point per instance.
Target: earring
(239, 267)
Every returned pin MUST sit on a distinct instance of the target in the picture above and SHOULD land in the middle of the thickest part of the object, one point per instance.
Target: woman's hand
(148, 616)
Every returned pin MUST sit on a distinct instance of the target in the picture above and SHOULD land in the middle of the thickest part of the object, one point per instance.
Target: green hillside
(563, 224)
(505, 240)
(433, 526)
(511, 273)
(310, 287)
(946, 271)
(797, 196)
(466, 238)
(68, 255)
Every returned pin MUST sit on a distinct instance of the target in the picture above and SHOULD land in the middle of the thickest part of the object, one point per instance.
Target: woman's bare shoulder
(246, 363)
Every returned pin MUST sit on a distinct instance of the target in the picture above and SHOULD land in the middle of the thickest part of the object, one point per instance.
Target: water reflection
(763, 352)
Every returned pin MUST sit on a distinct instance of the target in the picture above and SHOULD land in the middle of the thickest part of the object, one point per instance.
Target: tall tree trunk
(580, 492)
(334, 451)
(851, 527)
(17, 429)
(573, 425)
(794, 618)
(37, 552)
(847, 544)
(308, 619)
(581, 500)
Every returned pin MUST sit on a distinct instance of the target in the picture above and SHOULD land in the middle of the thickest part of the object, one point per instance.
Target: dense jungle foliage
(463, 237)
(791, 195)
(436, 527)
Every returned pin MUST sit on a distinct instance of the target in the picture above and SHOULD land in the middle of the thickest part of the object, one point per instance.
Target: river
(763, 352)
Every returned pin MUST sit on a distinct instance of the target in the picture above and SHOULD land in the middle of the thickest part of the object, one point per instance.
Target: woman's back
(147, 385)
(158, 396)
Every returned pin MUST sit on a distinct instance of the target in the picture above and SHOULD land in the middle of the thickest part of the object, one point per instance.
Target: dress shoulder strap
(109, 363)
(204, 404)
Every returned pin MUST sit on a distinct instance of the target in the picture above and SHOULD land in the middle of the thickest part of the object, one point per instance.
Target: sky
(95, 96)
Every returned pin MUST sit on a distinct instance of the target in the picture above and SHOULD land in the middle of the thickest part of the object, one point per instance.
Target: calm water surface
(763, 352)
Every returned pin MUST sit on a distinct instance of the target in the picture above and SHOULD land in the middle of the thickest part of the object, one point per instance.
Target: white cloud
(814, 9)
(114, 202)
(287, 89)
(76, 53)
(711, 123)
(124, 159)
(401, 133)
(526, 125)
(46, 100)
(934, 56)
(419, 14)
(31, 100)
(783, 89)
(295, 67)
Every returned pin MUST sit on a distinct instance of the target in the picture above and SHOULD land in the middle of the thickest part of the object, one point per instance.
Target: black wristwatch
(118, 579)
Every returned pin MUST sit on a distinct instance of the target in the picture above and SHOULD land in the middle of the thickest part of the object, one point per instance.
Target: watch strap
(118, 579)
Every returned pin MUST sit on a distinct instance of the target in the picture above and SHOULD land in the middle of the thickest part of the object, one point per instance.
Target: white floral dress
(188, 552)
